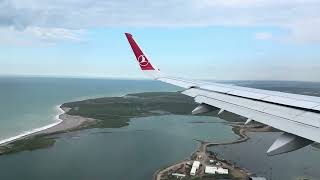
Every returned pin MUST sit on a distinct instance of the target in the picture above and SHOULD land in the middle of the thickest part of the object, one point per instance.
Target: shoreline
(59, 119)
(63, 122)
(202, 151)
(32, 132)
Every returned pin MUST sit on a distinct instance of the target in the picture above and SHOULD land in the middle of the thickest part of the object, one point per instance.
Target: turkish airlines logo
(143, 61)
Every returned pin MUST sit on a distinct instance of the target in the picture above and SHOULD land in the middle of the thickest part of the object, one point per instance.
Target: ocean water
(28, 103)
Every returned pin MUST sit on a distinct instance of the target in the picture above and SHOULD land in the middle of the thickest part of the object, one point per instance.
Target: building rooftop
(196, 164)
(257, 178)
(178, 175)
(210, 170)
(215, 170)
(193, 171)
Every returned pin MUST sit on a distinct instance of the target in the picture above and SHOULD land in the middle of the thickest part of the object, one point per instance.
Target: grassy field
(116, 111)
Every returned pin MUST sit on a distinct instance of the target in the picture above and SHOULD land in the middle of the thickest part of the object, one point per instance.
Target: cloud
(13, 17)
(39, 36)
(55, 34)
(301, 18)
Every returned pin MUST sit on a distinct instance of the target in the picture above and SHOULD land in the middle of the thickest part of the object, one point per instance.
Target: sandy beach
(68, 123)
(64, 123)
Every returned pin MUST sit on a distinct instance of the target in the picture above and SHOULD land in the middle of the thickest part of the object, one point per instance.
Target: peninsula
(116, 112)
(108, 112)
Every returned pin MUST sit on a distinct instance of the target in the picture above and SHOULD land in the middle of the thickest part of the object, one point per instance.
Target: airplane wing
(298, 116)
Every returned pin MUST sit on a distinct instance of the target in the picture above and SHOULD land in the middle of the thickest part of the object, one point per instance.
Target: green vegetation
(114, 112)
(28, 144)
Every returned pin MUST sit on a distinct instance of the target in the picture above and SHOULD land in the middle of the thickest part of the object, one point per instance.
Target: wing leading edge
(297, 115)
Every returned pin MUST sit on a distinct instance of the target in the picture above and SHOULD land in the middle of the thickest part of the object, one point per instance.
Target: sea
(136, 151)
(29, 103)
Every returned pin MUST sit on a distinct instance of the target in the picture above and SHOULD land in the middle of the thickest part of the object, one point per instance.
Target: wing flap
(293, 100)
(284, 124)
(289, 101)
(291, 114)
(252, 95)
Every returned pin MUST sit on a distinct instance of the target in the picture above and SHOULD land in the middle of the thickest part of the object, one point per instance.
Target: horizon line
(140, 78)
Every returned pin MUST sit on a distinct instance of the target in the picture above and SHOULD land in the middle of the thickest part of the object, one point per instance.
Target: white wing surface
(298, 116)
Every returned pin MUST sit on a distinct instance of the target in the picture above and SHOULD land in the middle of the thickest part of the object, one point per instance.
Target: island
(116, 112)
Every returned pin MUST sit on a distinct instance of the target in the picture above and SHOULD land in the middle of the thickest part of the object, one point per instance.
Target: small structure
(210, 170)
(215, 170)
(178, 175)
(195, 167)
(193, 171)
(222, 171)
(257, 178)
(196, 164)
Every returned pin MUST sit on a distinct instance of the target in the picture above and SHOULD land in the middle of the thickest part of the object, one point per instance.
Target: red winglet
(141, 58)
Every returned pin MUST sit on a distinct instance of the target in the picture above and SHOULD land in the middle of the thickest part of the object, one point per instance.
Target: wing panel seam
(257, 111)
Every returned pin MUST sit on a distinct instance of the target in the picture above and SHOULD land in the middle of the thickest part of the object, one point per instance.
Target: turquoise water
(134, 152)
(29, 103)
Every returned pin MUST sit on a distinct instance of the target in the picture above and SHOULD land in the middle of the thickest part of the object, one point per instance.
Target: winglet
(142, 59)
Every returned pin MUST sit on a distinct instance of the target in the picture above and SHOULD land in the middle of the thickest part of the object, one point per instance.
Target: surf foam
(27, 133)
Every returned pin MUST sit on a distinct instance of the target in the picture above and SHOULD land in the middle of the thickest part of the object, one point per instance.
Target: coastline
(69, 118)
(63, 122)
(32, 132)
(68, 123)
(201, 151)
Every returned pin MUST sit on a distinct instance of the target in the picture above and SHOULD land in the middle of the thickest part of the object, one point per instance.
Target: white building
(222, 171)
(178, 175)
(196, 164)
(210, 170)
(193, 171)
(257, 178)
(195, 167)
(215, 170)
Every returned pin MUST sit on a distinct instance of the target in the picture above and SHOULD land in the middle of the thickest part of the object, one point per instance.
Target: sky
(199, 39)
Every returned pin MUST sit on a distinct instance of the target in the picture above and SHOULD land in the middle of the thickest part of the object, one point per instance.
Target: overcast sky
(202, 39)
